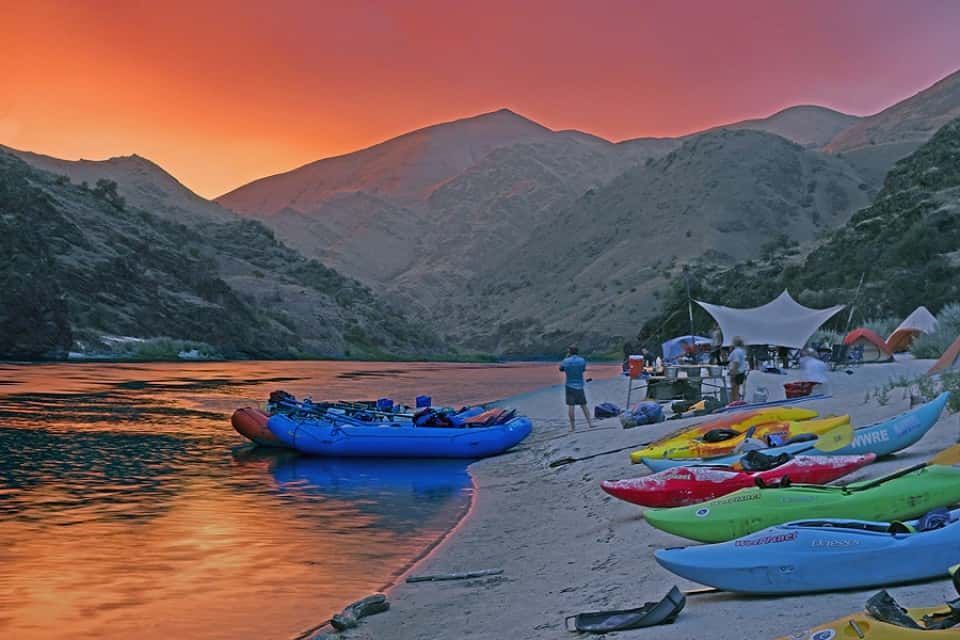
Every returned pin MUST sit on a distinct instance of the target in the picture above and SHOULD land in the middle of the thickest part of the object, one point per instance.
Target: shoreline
(566, 547)
(444, 359)
(446, 537)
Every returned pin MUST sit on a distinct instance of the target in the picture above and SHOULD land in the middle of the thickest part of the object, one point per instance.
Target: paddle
(568, 460)
(835, 439)
(950, 455)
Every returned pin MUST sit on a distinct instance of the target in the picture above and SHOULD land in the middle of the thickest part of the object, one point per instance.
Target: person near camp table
(737, 362)
(784, 354)
(814, 370)
(574, 366)
(716, 343)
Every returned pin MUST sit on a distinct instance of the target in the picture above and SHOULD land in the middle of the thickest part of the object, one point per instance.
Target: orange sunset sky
(220, 93)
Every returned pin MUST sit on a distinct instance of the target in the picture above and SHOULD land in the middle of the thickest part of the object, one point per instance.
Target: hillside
(590, 272)
(905, 244)
(86, 266)
(419, 216)
(876, 142)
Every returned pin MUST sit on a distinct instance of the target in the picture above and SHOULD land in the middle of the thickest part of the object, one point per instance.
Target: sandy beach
(566, 547)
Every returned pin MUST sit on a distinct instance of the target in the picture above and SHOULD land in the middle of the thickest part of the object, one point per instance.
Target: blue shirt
(739, 356)
(574, 366)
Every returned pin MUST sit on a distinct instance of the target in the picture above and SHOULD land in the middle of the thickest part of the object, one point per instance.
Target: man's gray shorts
(575, 397)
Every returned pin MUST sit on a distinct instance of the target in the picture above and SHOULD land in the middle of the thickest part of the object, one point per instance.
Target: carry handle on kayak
(856, 629)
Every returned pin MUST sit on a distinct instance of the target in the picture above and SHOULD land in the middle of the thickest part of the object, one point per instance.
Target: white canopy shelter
(783, 322)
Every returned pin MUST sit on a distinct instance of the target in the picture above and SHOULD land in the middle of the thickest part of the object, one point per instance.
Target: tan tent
(874, 348)
(949, 360)
(920, 321)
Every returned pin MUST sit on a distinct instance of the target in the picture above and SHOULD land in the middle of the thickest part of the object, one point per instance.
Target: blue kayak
(324, 437)
(818, 555)
(881, 438)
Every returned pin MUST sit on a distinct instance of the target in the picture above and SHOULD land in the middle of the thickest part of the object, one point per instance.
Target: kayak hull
(739, 422)
(683, 486)
(823, 555)
(898, 496)
(322, 437)
(881, 438)
(698, 448)
(251, 423)
(861, 625)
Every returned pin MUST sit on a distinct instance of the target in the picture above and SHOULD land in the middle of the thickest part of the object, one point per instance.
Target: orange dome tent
(874, 348)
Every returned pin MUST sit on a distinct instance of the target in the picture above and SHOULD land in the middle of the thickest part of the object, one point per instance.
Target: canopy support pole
(686, 279)
(853, 304)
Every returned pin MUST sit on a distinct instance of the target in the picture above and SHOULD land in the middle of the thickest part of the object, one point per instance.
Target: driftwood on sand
(455, 576)
(347, 619)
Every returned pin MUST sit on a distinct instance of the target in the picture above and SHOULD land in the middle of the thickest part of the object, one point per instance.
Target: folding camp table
(684, 382)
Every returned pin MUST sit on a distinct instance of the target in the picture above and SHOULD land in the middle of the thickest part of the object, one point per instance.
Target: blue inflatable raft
(325, 437)
(882, 438)
(819, 555)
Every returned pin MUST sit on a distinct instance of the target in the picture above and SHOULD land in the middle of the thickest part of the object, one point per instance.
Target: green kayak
(908, 493)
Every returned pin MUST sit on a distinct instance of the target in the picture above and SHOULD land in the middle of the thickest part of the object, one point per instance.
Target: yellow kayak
(861, 626)
(699, 448)
(739, 421)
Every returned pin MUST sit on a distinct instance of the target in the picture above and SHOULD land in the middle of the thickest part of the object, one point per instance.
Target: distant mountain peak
(815, 108)
(808, 125)
(502, 116)
(406, 168)
(143, 182)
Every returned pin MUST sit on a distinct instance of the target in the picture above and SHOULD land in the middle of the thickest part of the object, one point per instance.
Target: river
(130, 508)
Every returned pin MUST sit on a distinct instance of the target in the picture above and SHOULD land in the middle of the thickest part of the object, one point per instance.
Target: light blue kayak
(881, 438)
(323, 437)
(818, 555)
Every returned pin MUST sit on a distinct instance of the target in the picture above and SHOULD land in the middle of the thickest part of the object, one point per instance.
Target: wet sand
(567, 547)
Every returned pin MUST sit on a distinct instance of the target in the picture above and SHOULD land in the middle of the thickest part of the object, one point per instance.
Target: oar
(950, 455)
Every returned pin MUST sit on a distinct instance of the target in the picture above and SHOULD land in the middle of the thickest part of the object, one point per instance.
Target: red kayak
(681, 486)
(251, 423)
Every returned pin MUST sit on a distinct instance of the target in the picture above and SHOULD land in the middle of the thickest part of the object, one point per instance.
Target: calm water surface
(130, 508)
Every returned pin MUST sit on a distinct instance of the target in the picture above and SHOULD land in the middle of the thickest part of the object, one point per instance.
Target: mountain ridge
(406, 167)
(904, 246)
(84, 265)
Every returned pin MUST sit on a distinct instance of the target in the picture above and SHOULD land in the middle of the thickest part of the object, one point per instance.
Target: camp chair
(838, 357)
(793, 358)
(855, 355)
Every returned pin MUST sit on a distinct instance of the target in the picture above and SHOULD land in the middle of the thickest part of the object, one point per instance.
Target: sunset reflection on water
(130, 508)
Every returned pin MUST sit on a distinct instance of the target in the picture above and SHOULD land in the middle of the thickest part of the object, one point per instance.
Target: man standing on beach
(737, 362)
(574, 366)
